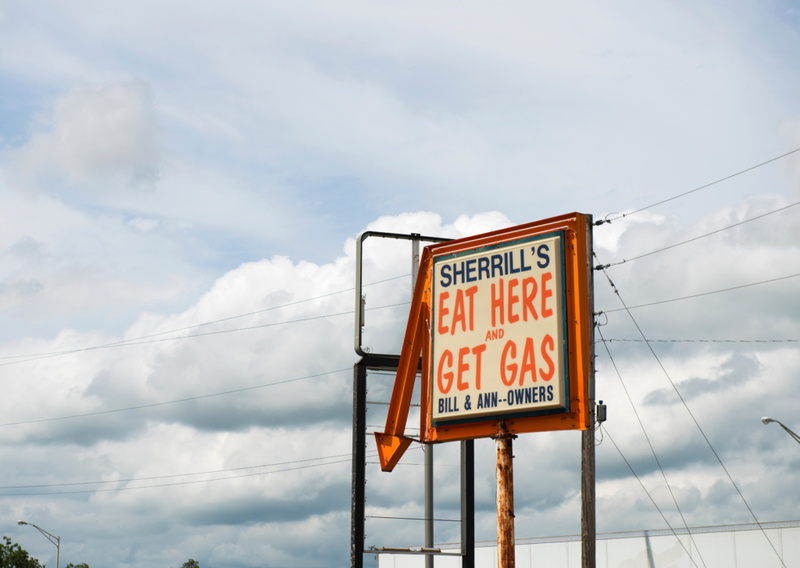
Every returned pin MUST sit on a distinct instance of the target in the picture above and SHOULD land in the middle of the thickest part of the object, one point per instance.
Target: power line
(688, 410)
(188, 399)
(100, 482)
(219, 332)
(701, 236)
(176, 483)
(610, 340)
(126, 341)
(623, 261)
(651, 498)
(702, 294)
(622, 215)
(420, 464)
(412, 519)
(652, 449)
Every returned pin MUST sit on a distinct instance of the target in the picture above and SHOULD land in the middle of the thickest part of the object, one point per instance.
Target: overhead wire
(152, 477)
(177, 483)
(688, 410)
(611, 340)
(623, 215)
(652, 449)
(624, 260)
(175, 401)
(701, 294)
(180, 337)
(139, 338)
(412, 519)
(653, 501)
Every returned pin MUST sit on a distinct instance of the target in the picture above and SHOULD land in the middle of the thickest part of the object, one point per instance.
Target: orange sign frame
(417, 344)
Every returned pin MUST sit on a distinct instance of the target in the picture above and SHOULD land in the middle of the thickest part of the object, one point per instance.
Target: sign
(498, 336)
(501, 327)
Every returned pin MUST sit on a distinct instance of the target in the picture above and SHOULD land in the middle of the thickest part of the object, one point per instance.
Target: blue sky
(166, 165)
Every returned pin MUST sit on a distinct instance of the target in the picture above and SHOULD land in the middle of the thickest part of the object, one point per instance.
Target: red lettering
(512, 299)
(447, 376)
(550, 367)
(442, 329)
(527, 299)
(477, 350)
(498, 303)
(510, 346)
(470, 292)
(528, 362)
(546, 312)
(458, 313)
(462, 367)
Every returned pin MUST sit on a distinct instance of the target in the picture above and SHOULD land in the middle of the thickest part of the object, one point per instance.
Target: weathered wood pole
(588, 538)
(505, 497)
(588, 535)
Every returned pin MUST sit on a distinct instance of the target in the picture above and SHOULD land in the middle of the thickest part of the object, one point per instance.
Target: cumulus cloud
(272, 347)
(292, 129)
(279, 379)
(94, 134)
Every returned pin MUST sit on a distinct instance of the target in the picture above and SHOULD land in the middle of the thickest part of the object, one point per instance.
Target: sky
(181, 186)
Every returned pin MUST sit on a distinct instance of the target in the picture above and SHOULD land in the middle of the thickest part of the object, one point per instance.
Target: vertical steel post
(359, 464)
(467, 503)
(426, 448)
(505, 497)
(588, 529)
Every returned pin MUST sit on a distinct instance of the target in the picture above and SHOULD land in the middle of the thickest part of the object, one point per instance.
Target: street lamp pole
(56, 540)
(767, 420)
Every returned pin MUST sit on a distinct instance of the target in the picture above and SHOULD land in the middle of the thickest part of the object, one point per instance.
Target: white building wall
(736, 546)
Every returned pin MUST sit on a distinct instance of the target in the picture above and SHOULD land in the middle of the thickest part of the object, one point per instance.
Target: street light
(51, 537)
(767, 420)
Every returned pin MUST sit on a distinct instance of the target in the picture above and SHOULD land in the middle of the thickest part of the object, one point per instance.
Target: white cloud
(288, 127)
(95, 135)
(298, 420)
(143, 225)
(310, 418)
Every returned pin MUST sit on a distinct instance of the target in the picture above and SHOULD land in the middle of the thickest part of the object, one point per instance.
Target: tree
(82, 565)
(13, 556)
(191, 563)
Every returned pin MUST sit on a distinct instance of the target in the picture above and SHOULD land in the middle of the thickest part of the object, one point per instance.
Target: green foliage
(13, 556)
(191, 564)
(82, 565)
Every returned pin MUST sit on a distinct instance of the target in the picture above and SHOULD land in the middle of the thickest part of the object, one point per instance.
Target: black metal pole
(359, 465)
(468, 504)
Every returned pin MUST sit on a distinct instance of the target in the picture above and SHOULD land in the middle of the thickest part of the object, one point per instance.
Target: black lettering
(471, 270)
(446, 278)
(497, 264)
(522, 266)
(483, 266)
(456, 272)
(544, 256)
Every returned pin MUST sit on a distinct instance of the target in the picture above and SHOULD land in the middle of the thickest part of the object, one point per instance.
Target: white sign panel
(498, 331)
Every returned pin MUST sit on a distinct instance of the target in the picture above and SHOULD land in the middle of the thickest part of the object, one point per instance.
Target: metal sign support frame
(385, 362)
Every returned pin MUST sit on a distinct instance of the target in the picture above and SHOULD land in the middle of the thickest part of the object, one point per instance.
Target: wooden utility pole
(588, 535)
(505, 497)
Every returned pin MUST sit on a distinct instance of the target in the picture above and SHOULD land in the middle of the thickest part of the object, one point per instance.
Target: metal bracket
(359, 283)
